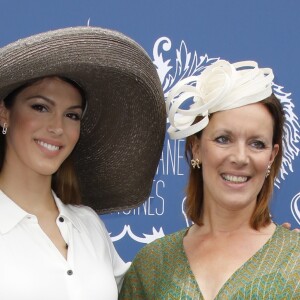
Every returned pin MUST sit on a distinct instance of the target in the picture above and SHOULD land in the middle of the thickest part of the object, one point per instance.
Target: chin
(47, 170)
(238, 204)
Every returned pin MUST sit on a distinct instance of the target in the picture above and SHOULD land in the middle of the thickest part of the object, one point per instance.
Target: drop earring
(268, 171)
(4, 128)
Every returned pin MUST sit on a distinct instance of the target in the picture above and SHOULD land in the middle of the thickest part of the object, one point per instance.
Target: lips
(48, 146)
(234, 178)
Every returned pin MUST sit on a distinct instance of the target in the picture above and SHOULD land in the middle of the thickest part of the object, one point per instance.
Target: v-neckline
(234, 274)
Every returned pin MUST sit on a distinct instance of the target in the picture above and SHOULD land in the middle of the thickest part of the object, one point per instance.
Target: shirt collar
(10, 213)
(67, 212)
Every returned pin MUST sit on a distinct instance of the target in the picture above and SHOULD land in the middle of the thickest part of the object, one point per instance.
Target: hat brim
(123, 128)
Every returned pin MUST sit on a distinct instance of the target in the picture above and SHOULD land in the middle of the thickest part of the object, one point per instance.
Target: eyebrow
(223, 130)
(230, 132)
(52, 102)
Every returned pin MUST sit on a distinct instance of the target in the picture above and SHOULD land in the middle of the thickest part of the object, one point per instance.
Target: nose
(239, 155)
(55, 126)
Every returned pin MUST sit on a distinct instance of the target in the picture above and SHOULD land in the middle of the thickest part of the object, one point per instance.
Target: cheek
(74, 133)
(19, 124)
(262, 164)
(212, 156)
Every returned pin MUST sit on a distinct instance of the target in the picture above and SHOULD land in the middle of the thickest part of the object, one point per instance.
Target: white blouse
(32, 268)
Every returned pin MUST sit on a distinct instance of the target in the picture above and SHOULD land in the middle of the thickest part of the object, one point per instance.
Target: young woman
(74, 103)
(234, 130)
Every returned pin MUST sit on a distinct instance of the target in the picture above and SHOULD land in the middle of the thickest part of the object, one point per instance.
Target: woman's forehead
(254, 116)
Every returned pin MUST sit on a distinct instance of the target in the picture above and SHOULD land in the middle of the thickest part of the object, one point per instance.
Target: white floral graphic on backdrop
(187, 63)
(295, 207)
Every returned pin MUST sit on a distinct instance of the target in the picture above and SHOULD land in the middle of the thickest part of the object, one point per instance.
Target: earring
(196, 163)
(4, 128)
(268, 171)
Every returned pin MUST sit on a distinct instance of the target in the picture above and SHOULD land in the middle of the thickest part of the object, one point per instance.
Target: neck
(31, 191)
(220, 220)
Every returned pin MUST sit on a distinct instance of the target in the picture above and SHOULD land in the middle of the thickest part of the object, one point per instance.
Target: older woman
(234, 130)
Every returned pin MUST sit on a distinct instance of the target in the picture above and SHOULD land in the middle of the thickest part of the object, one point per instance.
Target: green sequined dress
(161, 271)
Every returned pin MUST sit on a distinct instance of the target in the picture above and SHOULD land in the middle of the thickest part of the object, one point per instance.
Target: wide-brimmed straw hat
(123, 128)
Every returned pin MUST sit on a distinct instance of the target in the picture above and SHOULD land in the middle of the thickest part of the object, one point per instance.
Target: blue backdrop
(182, 37)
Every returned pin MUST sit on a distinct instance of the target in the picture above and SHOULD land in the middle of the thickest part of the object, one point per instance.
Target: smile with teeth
(234, 179)
(48, 146)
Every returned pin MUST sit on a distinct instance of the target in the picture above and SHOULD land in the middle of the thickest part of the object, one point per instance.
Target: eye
(222, 139)
(74, 116)
(39, 107)
(258, 145)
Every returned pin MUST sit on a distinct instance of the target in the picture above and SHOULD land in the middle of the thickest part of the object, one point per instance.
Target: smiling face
(43, 126)
(235, 150)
